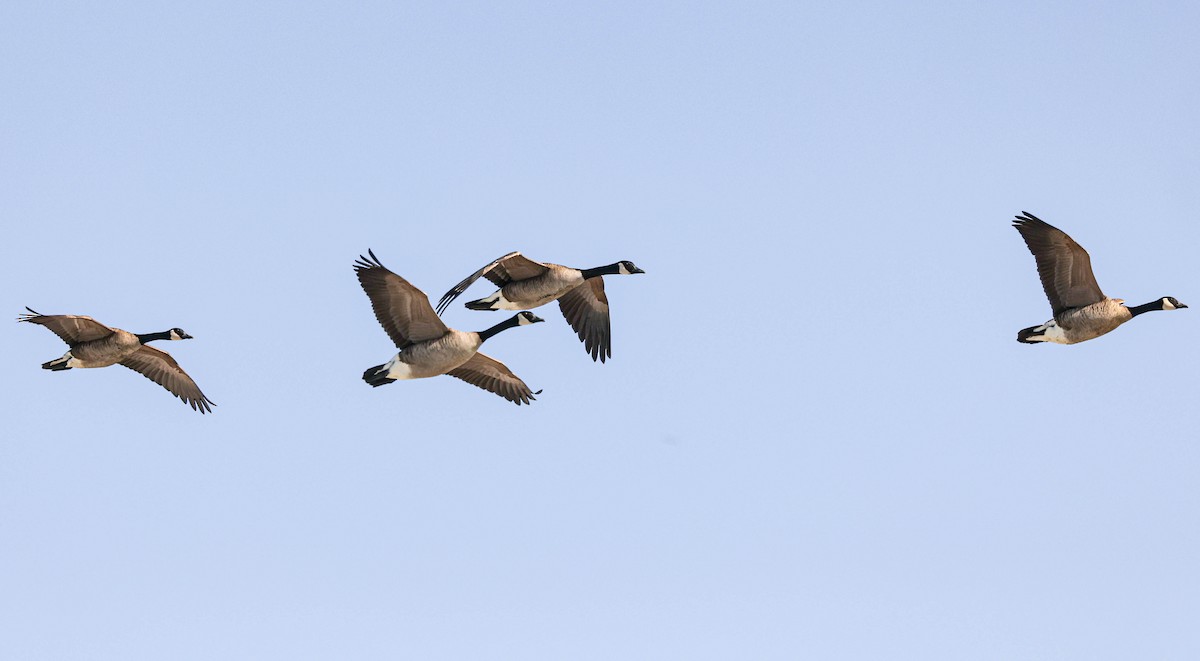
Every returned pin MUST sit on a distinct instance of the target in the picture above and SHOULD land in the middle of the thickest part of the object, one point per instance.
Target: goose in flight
(525, 284)
(95, 345)
(429, 348)
(1081, 311)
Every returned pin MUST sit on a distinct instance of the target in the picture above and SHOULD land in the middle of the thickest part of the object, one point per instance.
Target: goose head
(1170, 303)
(177, 334)
(627, 267)
(526, 318)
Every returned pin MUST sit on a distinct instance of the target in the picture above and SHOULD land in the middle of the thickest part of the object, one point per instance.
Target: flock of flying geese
(427, 347)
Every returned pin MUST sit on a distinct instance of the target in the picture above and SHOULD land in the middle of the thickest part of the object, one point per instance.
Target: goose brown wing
(72, 328)
(513, 266)
(586, 308)
(1063, 265)
(161, 368)
(402, 309)
(493, 376)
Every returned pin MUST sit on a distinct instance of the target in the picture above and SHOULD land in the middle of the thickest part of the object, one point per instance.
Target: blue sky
(817, 436)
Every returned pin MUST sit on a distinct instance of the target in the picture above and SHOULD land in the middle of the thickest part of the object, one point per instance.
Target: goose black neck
(150, 337)
(511, 322)
(1147, 307)
(611, 269)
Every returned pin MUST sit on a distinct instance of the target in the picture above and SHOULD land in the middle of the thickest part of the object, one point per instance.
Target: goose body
(102, 352)
(435, 357)
(92, 345)
(1081, 310)
(525, 284)
(534, 292)
(427, 346)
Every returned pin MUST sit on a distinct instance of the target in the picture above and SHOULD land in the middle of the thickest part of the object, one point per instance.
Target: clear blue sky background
(817, 437)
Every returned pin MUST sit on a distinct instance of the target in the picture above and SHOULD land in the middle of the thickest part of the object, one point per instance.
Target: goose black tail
(377, 376)
(57, 365)
(480, 305)
(1026, 335)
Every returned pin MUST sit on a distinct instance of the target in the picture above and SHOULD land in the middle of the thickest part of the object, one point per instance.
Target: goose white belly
(500, 302)
(1052, 332)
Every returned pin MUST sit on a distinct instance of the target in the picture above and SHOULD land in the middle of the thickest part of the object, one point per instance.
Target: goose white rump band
(1051, 332)
(398, 370)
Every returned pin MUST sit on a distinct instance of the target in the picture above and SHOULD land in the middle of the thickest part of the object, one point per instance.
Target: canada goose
(427, 347)
(95, 345)
(526, 284)
(1081, 311)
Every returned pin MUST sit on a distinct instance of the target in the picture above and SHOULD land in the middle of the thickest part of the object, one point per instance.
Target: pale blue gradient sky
(817, 437)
